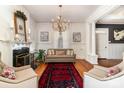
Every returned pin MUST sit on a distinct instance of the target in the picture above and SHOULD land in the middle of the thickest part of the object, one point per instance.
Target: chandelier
(60, 24)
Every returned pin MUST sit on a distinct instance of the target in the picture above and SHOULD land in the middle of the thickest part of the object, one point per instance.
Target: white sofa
(96, 78)
(25, 78)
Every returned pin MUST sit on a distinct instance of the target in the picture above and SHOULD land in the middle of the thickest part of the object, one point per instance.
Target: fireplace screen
(21, 57)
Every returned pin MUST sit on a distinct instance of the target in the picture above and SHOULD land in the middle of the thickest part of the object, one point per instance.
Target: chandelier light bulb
(16, 36)
(58, 17)
(52, 20)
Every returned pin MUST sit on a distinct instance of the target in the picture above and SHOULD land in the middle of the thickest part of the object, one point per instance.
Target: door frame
(103, 31)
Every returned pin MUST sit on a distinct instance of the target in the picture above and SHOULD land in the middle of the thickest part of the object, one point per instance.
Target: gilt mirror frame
(20, 24)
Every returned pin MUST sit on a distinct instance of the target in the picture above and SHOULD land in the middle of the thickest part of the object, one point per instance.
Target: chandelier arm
(60, 24)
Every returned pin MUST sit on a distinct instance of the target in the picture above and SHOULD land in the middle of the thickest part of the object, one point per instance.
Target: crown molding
(101, 12)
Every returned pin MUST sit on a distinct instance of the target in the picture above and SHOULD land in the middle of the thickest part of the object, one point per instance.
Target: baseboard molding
(79, 59)
(93, 59)
(102, 58)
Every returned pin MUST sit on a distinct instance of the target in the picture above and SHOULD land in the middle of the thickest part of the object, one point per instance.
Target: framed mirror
(20, 25)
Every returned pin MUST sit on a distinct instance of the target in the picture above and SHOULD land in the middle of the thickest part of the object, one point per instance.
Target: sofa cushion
(60, 52)
(98, 72)
(25, 75)
(59, 56)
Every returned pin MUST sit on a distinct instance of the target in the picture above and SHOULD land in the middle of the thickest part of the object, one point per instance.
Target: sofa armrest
(118, 75)
(86, 74)
(75, 56)
(22, 68)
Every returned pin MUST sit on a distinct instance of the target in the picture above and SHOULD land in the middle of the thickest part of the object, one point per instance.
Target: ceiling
(74, 13)
(115, 17)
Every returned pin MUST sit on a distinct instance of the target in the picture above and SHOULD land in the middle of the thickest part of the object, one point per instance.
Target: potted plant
(41, 54)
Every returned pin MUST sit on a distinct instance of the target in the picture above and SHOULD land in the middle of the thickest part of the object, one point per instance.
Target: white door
(102, 43)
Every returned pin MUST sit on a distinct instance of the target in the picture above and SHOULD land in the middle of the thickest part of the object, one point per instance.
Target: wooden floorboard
(81, 66)
(40, 69)
(109, 62)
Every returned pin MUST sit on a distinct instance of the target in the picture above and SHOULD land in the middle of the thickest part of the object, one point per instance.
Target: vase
(60, 40)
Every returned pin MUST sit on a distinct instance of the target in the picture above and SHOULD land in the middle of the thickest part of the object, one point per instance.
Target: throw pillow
(8, 72)
(112, 71)
(49, 52)
(1, 69)
(60, 52)
(70, 52)
(2, 65)
(52, 52)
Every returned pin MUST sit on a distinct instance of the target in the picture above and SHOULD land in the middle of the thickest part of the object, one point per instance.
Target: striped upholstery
(60, 55)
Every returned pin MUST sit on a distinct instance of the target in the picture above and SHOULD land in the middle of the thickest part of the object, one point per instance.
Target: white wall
(45, 27)
(114, 50)
(7, 22)
(80, 48)
(33, 37)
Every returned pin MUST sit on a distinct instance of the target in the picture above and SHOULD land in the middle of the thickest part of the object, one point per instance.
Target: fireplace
(21, 57)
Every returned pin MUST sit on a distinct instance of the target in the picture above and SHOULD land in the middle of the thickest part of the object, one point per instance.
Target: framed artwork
(20, 25)
(116, 35)
(44, 36)
(76, 36)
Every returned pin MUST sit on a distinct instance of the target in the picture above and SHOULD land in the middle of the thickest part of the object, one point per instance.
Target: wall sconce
(11, 28)
(16, 38)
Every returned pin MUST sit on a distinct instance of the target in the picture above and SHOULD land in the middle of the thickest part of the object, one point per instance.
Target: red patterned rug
(60, 75)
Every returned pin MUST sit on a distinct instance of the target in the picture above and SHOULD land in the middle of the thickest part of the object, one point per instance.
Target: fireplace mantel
(14, 42)
(5, 41)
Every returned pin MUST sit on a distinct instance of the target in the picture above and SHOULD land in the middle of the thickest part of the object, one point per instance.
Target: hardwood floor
(109, 62)
(40, 69)
(81, 66)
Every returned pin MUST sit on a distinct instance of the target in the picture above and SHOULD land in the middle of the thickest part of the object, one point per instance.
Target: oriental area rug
(60, 75)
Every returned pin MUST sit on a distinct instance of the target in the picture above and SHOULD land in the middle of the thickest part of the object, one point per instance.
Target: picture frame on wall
(76, 36)
(116, 35)
(44, 36)
(20, 25)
